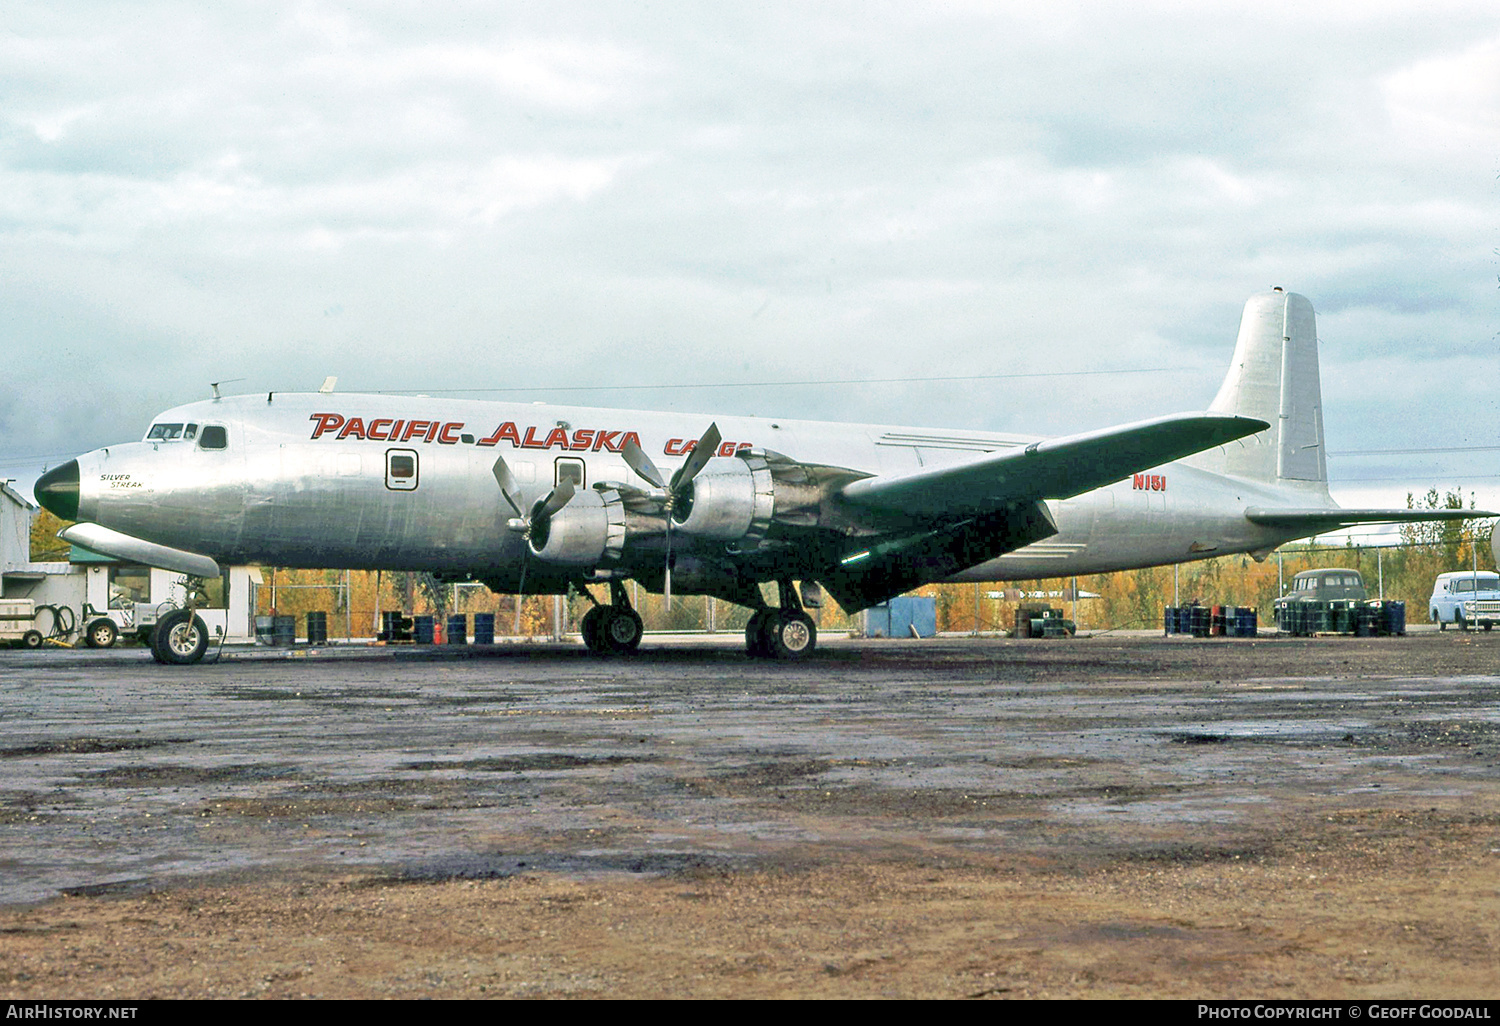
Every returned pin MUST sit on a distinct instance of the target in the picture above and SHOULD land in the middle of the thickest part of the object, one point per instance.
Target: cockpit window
(190, 431)
(164, 432)
(213, 437)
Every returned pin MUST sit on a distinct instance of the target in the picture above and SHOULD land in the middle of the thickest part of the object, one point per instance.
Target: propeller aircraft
(543, 499)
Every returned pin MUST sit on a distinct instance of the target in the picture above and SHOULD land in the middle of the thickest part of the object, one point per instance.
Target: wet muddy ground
(1110, 816)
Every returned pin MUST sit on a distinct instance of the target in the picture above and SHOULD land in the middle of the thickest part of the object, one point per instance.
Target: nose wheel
(181, 637)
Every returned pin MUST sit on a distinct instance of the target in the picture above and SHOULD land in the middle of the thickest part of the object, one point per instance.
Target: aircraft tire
(102, 633)
(758, 634)
(792, 635)
(591, 627)
(621, 631)
(180, 638)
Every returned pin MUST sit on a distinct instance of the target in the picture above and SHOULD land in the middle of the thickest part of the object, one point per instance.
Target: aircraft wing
(1057, 468)
(1320, 520)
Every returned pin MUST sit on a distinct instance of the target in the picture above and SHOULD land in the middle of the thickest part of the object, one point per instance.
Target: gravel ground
(1101, 817)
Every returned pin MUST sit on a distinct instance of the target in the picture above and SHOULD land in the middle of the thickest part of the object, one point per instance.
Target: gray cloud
(596, 194)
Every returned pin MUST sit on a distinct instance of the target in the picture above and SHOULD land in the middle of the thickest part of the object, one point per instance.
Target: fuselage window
(164, 432)
(570, 468)
(401, 470)
(213, 437)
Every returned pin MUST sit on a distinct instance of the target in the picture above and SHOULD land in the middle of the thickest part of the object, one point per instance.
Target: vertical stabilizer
(1274, 377)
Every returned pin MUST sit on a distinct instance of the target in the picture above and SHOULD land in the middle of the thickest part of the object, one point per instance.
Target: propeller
(534, 524)
(703, 450)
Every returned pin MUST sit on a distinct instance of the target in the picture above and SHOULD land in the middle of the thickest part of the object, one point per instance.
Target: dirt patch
(1335, 909)
(89, 746)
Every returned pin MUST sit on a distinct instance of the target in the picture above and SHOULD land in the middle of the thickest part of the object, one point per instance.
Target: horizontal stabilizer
(1057, 468)
(135, 550)
(1320, 520)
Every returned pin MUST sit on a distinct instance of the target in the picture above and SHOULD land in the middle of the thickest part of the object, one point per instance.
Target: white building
(90, 586)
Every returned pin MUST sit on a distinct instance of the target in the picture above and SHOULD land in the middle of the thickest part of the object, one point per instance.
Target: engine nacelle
(588, 531)
(731, 498)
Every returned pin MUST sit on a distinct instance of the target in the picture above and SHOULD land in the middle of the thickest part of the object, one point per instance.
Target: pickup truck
(1465, 597)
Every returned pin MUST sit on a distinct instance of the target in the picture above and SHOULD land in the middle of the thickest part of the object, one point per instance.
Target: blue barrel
(283, 631)
(1169, 620)
(1394, 617)
(424, 629)
(458, 629)
(1201, 620)
(484, 628)
(1249, 622)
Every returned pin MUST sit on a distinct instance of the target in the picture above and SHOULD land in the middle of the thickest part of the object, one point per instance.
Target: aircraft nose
(57, 490)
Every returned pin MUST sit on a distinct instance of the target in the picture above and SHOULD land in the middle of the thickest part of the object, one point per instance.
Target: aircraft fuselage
(400, 483)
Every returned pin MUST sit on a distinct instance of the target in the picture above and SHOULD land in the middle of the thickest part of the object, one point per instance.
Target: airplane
(544, 499)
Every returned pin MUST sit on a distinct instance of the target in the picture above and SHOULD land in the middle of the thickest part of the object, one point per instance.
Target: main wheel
(621, 631)
(101, 633)
(757, 633)
(181, 637)
(792, 635)
(592, 629)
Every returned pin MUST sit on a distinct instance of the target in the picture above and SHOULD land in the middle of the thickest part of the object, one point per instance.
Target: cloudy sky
(745, 207)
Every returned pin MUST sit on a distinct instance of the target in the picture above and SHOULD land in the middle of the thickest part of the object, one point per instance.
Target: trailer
(26, 624)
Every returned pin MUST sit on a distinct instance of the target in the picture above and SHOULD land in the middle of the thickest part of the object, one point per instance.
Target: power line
(1415, 452)
(1408, 478)
(773, 384)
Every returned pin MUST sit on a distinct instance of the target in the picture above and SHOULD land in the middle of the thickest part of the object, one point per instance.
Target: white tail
(1274, 377)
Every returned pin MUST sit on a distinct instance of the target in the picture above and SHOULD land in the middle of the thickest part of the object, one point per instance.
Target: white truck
(1465, 597)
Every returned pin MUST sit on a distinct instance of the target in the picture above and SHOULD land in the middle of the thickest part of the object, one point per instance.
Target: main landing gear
(614, 629)
(783, 633)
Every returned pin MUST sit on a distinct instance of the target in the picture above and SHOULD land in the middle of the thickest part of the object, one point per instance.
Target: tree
(46, 546)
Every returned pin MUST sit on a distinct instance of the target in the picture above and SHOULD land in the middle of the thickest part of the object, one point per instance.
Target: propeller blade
(507, 484)
(666, 578)
(637, 460)
(556, 500)
(702, 452)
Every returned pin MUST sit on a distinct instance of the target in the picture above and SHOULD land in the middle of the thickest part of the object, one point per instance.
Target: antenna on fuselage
(328, 384)
(214, 385)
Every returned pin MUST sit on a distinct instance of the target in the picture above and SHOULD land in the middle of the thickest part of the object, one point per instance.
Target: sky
(1040, 218)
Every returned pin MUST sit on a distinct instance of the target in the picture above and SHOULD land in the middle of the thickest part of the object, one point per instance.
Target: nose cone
(57, 490)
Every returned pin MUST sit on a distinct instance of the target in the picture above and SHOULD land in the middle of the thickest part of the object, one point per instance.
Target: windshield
(1484, 582)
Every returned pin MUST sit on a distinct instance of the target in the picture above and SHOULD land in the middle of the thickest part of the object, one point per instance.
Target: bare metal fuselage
(306, 480)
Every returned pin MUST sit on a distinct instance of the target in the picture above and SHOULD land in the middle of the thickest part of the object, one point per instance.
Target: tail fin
(1274, 377)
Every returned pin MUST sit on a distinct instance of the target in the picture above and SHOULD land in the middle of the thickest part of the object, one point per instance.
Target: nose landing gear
(180, 638)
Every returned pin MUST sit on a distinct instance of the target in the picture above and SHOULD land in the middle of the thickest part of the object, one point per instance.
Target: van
(1465, 597)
